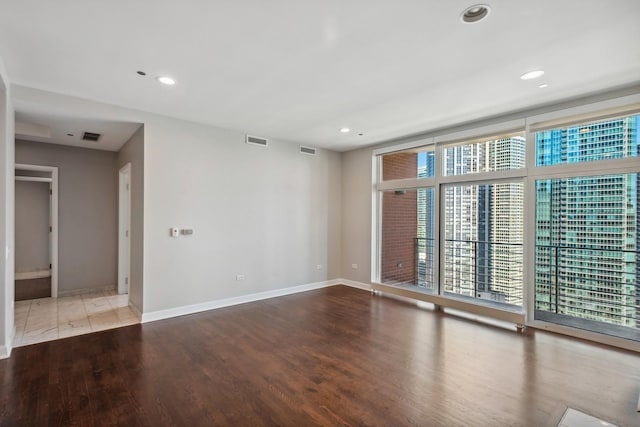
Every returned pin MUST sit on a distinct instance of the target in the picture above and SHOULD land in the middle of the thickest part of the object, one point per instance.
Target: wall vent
(90, 136)
(256, 140)
(307, 150)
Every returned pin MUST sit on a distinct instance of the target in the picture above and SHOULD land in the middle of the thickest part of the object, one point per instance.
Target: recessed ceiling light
(141, 73)
(543, 85)
(69, 134)
(345, 130)
(166, 80)
(532, 75)
(475, 13)
(360, 134)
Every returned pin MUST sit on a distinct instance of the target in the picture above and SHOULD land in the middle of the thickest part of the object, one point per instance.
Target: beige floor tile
(105, 320)
(97, 305)
(74, 327)
(118, 301)
(41, 321)
(39, 335)
(47, 319)
(127, 316)
(22, 304)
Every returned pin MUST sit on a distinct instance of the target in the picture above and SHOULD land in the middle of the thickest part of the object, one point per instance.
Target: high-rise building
(484, 223)
(587, 238)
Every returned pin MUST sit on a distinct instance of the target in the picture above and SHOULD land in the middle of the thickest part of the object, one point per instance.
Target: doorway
(36, 239)
(124, 225)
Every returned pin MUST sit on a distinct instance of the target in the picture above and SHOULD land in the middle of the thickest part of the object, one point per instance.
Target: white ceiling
(299, 70)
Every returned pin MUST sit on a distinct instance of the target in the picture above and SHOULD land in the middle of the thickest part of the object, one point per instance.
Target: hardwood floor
(335, 356)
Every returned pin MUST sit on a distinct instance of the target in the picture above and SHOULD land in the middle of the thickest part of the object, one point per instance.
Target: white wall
(357, 187)
(133, 152)
(7, 146)
(32, 226)
(272, 215)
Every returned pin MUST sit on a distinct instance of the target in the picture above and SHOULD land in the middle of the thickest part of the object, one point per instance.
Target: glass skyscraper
(587, 238)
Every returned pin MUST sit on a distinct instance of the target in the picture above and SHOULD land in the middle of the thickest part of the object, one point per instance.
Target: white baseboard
(83, 291)
(28, 275)
(5, 351)
(135, 309)
(354, 284)
(226, 302)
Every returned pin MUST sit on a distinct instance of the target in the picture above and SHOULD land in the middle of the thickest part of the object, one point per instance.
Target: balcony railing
(597, 284)
(484, 270)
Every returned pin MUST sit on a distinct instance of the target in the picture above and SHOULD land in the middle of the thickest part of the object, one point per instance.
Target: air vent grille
(90, 136)
(307, 150)
(256, 140)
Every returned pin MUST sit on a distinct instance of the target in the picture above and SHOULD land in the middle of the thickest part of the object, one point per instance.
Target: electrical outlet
(239, 277)
(354, 266)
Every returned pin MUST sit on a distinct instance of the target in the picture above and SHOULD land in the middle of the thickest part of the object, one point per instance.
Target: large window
(586, 229)
(546, 225)
(475, 252)
(483, 235)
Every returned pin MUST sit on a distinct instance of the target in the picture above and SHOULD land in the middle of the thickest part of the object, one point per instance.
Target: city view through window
(586, 227)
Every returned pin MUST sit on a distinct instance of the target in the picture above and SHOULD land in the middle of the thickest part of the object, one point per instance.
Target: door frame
(54, 217)
(124, 229)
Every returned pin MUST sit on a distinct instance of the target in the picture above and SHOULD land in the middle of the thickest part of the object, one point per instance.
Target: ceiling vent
(307, 150)
(256, 140)
(90, 136)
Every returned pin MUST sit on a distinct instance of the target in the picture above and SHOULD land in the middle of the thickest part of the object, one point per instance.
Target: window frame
(529, 174)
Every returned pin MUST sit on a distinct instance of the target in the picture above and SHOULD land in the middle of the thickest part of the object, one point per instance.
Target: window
(407, 243)
(458, 218)
(586, 229)
(417, 163)
(483, 241)
(608, 139)
(490, 155)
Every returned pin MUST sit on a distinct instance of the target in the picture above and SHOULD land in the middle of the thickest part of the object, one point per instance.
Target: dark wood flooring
(32, 288)
(335, 356)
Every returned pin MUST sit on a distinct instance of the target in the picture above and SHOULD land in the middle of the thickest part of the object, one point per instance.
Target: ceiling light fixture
(475, 13)
(543, 85)
(530, 75)
(345, 130)
(166, 80)
(141, 73)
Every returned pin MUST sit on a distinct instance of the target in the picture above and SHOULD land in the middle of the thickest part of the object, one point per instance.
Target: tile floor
(47, 319)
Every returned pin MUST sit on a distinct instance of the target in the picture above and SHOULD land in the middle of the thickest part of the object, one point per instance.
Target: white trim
(517, 318)
(354, 284)
(624, 105)
(482, 132)
(5, 351)
(406, 184)
(404, 146)
(33, 179)
(226, 302)
(136, 310)
(54, 218)
(28, 275)
(124, 229)
(84, 291)
(586, 335)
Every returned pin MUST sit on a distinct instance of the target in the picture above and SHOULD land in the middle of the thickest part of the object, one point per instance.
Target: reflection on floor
(47, 319)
